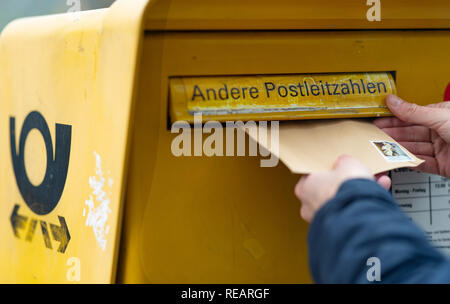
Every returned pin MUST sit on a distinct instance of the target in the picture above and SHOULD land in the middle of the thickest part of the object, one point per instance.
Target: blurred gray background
(13, 9)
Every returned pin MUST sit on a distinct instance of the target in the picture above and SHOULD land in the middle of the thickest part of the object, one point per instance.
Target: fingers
(298, 188)
(390, 122)
(346, 162)
(347, 167)
(440, 105)
(409, 134)
(384, 181)
(419, 148)
(429, 166)
(306, 210)
(340, 161)
(306, 213)
(415, 114)
(378, 175)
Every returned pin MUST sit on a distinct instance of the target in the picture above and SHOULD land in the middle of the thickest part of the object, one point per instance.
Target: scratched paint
(98, 204)
(254, 248)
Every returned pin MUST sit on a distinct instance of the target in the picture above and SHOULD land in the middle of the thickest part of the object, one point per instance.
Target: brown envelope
(311, 146)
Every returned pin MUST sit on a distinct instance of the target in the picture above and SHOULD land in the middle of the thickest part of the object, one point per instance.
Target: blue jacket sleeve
(364, 221)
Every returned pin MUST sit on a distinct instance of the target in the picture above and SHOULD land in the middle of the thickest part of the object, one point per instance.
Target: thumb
(415, 114)
(347, 162)
(349, 167)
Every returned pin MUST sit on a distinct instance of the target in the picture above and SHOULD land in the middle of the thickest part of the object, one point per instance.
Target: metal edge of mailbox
(131, 15)
(121, 35)
(191, 15)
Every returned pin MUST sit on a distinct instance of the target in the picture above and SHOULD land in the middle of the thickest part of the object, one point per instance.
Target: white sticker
(391, 151)
(425, 198)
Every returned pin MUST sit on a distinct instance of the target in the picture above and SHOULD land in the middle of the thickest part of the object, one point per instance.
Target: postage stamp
(391, 151)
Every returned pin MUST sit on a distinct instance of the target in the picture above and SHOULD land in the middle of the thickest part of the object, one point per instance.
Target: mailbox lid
(294, 15)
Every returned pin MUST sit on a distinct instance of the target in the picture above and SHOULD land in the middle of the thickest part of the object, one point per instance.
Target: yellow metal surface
(226, 219)
(287, 97)
(176, 15)
(105, 76)
(60, 79)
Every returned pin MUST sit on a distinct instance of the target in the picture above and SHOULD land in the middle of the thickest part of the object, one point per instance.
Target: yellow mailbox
(90, 190)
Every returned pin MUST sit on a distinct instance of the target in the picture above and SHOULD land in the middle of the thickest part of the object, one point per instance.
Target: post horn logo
(42, 199)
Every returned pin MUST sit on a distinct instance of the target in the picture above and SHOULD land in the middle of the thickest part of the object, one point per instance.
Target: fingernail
(394, 101)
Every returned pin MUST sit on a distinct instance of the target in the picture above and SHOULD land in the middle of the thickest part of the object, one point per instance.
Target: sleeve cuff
(358, 188)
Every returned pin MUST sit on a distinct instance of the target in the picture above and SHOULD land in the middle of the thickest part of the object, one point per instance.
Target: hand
(424, 131)
(315, 189)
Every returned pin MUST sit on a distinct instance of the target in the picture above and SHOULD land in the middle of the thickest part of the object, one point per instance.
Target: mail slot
(303, 96)
(114, 80)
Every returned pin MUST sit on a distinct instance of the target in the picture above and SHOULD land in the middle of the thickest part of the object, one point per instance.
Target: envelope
(311, 146)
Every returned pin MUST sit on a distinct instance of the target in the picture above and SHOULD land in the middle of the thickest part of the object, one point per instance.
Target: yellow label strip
(280, 97)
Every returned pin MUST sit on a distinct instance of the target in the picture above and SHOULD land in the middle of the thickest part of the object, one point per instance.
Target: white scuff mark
(98, 204)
